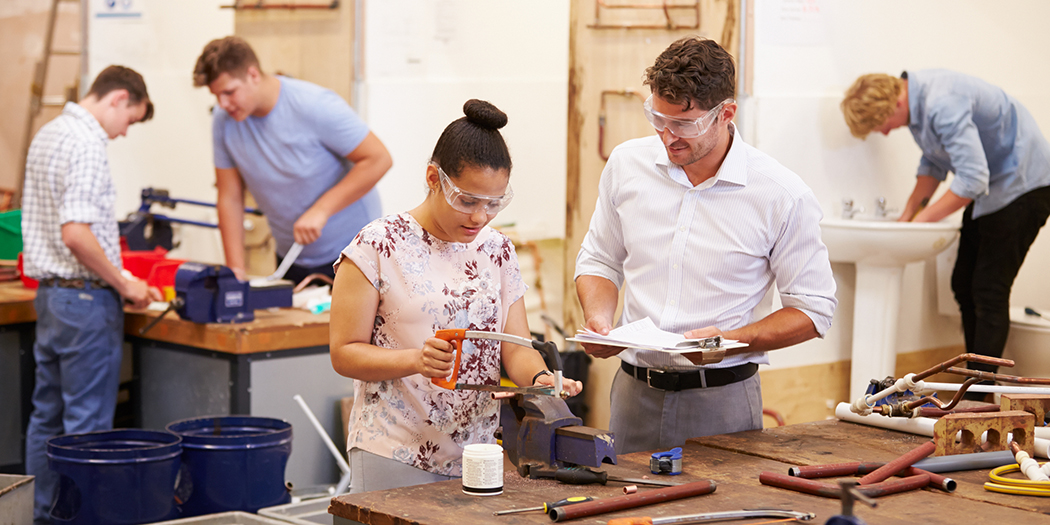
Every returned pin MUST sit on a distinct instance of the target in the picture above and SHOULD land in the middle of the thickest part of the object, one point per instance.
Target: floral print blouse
(426, 284)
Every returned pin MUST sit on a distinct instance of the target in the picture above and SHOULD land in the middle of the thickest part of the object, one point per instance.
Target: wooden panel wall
(310, 44)
(23, 26)
(608, 59)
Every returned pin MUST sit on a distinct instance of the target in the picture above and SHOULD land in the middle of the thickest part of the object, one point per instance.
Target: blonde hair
(869, 102)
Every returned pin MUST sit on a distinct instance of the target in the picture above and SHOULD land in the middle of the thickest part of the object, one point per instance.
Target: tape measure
(669, 462)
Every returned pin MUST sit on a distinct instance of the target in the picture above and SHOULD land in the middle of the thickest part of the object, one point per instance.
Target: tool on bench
(582, 476)
(630, 501)
(536, 426)
(669, 462)
(456, 337)
(145, 230)
(211, 293)
(546, 507)
(709, 517)
(849, 493)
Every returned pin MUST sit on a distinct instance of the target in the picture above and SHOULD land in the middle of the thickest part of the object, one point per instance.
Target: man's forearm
(780, 329)
(354, 185)
(598, 297)
(948, 204)
(86, 248)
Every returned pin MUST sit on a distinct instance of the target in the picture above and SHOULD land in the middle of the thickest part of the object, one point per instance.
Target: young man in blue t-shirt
(310, 162)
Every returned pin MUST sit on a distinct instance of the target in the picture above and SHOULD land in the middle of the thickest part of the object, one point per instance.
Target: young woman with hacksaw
(408, 275)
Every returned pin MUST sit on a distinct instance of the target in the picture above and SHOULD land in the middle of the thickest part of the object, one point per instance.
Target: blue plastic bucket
(232, 463)
(115, 477)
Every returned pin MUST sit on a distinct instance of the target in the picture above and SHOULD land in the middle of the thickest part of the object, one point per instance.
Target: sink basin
(880, 249)
(885, 243)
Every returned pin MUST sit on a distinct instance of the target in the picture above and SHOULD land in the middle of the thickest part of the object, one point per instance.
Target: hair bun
(484, 114)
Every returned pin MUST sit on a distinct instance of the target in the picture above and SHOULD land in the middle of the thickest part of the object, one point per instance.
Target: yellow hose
(1021, 487)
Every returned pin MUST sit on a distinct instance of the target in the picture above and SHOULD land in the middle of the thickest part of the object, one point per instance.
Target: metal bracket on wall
(664, 5)
(602, 115)
(260, 4)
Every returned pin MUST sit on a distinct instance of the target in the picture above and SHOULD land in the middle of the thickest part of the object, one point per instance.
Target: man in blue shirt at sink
(1001, 163)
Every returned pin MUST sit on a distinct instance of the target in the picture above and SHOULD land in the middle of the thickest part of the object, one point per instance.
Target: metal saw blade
(538, 390)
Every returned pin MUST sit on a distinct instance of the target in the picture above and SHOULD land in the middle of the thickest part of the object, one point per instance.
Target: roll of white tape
(483, 469)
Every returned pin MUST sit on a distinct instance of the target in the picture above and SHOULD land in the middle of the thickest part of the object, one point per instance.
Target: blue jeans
(78, 350)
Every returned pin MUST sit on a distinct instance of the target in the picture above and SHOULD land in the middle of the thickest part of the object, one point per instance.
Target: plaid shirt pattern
(67, 180)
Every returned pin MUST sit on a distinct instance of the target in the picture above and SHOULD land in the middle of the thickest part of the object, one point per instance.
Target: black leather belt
(79, 284)
(703, 378)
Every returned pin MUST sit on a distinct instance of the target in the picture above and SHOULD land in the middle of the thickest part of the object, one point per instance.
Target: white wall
(807, 52)
(424, 59)
(162, 40)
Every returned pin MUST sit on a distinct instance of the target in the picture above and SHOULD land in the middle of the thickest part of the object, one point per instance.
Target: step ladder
(37, 98)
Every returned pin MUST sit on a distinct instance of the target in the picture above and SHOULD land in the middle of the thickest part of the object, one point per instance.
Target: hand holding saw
(456, 337)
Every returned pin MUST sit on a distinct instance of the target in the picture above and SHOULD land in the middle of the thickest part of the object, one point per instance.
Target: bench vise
(211, 293)
(540, 433)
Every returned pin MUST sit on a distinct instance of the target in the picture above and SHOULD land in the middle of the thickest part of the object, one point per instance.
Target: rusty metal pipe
(826, 490)
(835, 470)
(895, 466)
(937, 412)
(976, 358)
(630, 501)
(989, 376)
(911, 405)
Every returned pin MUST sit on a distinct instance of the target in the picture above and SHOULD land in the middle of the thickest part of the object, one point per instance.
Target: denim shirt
(974, 129)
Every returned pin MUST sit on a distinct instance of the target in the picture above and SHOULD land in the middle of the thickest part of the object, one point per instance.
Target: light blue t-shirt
(291, 157)
(975, 130)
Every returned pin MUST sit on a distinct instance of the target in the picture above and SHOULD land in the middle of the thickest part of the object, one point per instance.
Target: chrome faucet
(848, 210)
(880, 208)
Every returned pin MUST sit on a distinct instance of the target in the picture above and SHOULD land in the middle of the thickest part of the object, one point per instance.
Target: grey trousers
(372, 472)
(645, 418)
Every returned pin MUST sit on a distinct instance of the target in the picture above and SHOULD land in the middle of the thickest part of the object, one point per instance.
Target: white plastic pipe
(923, 426)
(343, 466)
(998, 389)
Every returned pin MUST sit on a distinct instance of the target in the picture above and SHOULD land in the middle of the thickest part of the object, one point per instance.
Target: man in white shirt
(699, 225)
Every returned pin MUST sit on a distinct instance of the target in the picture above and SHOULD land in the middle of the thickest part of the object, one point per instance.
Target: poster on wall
(120, 9)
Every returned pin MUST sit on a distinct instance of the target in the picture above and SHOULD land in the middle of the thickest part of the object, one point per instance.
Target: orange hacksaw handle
(456, 337)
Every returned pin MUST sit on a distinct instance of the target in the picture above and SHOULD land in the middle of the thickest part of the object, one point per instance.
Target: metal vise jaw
(539, 432)
(212, 294)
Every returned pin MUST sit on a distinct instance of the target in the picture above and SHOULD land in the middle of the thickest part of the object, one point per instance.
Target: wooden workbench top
(734, 462)
(16, 303)
(272, 330)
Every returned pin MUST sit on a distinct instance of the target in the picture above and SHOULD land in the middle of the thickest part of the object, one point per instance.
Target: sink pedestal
(875, 310)
(880, 249)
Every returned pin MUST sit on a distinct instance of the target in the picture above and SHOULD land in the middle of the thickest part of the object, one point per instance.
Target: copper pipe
(630, 501)
(976, 358)
(989, 376)
(937, 412)
(906, 460)
(630, 489)
(835, 470)
(909, 406)
(310, 279)
(826, 490)
(261, 5)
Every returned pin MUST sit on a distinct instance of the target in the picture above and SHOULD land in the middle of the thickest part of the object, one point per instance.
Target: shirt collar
(733, 169)
(85, 117)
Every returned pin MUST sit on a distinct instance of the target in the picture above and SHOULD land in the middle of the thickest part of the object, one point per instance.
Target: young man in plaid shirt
(72, 246)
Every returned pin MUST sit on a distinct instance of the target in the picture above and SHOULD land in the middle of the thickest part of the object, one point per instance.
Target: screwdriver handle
(581, 476)
(567, 501)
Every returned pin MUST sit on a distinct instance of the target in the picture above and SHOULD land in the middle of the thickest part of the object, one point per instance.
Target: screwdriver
(587, 476)
(547, 506)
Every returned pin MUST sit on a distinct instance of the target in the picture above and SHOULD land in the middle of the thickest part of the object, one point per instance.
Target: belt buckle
(661, 376)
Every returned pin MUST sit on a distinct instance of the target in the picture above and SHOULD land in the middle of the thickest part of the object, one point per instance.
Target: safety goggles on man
(682, 128)
(467, 202)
